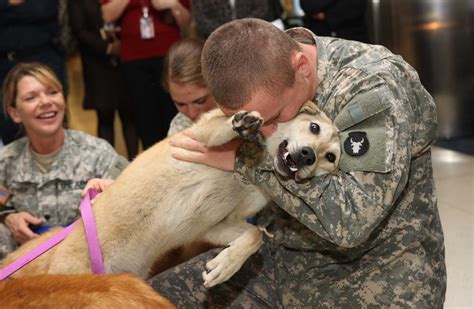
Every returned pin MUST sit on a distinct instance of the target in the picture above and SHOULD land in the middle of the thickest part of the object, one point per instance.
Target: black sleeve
(89, 37)
(315, 6)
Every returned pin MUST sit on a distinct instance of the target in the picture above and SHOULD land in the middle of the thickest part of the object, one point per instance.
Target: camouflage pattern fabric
(254, 286)
(179, 123)
(7, 243)
(54, 196)
(369, 236)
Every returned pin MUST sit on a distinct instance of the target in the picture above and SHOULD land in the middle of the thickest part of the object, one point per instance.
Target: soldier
(42, 174)
(369, 235)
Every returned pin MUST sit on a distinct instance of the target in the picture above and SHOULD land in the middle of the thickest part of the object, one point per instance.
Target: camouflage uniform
(369, 236)
(179, 123)
(54, 196)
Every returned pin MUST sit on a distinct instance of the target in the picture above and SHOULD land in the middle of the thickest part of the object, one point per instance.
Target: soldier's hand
(18, 223)
(98, 184)
(185, 148)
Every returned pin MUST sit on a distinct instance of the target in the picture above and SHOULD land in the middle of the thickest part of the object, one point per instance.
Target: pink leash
(95, 254)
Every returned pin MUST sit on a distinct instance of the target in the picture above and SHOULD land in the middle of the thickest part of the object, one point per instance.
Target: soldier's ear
(301, 64)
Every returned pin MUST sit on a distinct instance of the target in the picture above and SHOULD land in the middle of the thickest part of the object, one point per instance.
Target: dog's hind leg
(242, 240)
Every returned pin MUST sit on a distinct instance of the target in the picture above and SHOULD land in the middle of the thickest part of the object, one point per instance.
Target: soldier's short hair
(182, 64)
(41, 72)
(244, 55)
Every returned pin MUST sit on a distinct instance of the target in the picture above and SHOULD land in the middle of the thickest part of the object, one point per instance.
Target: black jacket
(345, 19)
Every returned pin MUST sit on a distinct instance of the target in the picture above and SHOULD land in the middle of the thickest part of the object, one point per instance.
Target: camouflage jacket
(55, 195)
(370, 233)
(179, 123)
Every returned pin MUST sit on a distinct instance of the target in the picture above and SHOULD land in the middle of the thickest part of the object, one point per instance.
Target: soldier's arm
(6, 206)
(346, 207)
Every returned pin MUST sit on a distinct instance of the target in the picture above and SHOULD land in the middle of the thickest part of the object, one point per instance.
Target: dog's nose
(307, 156)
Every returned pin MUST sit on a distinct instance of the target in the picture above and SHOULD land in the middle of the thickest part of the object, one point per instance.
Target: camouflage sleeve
(179, 123)
(346, 207)
(5, 202)
(110, 164)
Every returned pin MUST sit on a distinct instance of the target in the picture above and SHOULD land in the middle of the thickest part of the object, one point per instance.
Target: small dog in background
(80, 291)
(159, 203)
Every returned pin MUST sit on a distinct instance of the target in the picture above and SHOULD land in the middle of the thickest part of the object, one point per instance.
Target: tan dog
(80, 291)
(159, 203)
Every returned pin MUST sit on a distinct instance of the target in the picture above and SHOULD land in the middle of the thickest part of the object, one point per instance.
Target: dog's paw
(247, 124)
(222, 267)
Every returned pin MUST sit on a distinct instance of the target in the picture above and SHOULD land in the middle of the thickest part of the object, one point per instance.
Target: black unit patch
(356, 144)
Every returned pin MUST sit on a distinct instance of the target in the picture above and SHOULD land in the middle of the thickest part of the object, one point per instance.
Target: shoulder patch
(356, 144)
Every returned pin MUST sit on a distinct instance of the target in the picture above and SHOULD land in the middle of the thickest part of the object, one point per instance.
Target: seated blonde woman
(42, 174)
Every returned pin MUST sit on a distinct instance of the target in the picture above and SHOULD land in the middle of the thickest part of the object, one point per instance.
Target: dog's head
(305, 146)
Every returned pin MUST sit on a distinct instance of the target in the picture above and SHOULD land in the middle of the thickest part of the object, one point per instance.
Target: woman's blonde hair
(41, 72)
(182, 64)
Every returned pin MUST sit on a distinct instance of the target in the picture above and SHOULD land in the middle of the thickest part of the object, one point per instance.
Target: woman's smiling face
(39, 108)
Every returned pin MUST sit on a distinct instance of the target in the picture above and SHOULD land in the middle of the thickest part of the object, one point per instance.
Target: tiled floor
(454, 174)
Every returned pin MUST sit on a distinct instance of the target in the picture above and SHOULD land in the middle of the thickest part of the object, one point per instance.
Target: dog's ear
(310, 108)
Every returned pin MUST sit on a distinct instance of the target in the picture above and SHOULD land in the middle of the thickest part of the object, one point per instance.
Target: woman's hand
(18, 223)
(114, 48)
(186, 148)
(98, 184)
(15, 2)
(181, 14)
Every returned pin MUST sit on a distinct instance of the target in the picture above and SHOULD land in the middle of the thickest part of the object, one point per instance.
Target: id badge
(147, 30)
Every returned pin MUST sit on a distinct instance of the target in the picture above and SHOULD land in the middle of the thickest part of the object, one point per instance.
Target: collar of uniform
(24, 169)
(305, 36)
(27, 170)
(58, 169)
(31, 173)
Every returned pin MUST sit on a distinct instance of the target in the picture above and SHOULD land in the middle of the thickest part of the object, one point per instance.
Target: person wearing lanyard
(149, 28)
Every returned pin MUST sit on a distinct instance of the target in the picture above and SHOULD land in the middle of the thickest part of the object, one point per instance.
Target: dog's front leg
(242, 240)
(215, 129)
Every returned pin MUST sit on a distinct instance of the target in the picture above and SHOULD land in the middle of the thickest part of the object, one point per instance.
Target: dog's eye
(331, 157)
(314, 127)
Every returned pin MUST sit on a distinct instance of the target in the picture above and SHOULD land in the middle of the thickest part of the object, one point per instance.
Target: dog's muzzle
(304, 157)
(292, 162)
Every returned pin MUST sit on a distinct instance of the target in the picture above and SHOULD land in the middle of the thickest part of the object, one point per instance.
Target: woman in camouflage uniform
(42, 174)
(368, 236)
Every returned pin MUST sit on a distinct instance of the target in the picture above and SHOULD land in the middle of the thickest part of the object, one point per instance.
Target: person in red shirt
(148, 29)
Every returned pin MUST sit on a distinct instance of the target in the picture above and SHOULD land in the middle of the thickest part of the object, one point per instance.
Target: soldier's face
(39, 108)
(275, 108)
(278, 108)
